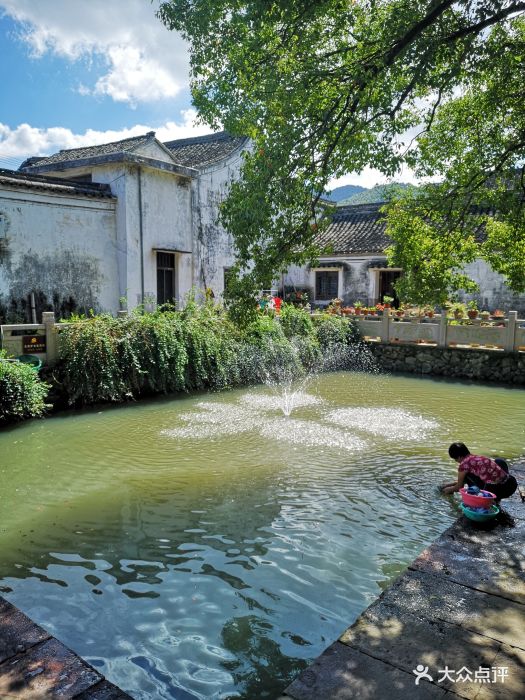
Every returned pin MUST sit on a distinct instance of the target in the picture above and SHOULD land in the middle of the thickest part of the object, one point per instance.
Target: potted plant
(387, 301)
(358, 307)
(429, 311)
(472, 309)
(458, 310)
(485, 315)
(498, 313)
(335, 306)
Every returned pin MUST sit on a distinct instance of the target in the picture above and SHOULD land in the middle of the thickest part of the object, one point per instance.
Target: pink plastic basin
(477, 501)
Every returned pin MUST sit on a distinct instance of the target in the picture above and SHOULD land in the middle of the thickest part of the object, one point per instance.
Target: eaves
(130, 158)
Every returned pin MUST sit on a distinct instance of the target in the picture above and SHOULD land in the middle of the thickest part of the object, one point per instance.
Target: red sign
(33, 344)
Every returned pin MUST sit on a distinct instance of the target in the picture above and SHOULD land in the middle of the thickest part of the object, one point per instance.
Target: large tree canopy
(328, 87)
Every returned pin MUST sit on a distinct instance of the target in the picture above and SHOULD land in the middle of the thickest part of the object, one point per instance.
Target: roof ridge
(148, 135)
(361, 205)
(203, 138)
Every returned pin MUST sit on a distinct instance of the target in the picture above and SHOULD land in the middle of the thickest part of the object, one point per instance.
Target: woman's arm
(457, 485)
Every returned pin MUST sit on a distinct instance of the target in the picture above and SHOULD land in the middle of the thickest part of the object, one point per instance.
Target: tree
(328, 87)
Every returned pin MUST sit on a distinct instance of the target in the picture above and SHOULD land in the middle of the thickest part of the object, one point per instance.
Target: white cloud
(144, 61)
(26, 140)
(133, 74)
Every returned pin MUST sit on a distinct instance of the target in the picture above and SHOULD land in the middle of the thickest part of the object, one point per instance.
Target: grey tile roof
(358, 228)
(75, 154)
(200, 151)
(14, 178)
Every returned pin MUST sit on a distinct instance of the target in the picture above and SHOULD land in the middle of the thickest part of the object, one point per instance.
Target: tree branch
(517, 8)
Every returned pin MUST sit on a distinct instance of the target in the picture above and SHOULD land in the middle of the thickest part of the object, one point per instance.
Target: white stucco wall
(356, 281)
(493, 292)
(214, 249)
(359, 280)
(167, 225)
(165, 199)
(58, 245)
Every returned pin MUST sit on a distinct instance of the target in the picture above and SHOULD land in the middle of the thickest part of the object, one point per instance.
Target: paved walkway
(460, 604)
(34, 665)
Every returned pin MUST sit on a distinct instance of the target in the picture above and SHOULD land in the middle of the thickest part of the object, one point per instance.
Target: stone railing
(506, 333)
(39, 339)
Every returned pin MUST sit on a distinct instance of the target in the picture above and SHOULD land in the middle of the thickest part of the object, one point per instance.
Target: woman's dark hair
(458, 449)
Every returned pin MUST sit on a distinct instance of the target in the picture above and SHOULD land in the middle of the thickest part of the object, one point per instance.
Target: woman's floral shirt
(487, 470)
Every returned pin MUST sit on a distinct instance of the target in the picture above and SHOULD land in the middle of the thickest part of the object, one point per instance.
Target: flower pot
(472, 313)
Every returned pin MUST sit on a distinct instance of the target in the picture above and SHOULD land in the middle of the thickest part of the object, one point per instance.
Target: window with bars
(326, 285)
(165, 278)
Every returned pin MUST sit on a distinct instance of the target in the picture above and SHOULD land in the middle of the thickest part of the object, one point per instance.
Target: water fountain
(209, 546)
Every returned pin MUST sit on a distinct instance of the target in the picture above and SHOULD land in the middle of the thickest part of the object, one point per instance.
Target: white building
(357, 269)
(135, 221)
(126, 222)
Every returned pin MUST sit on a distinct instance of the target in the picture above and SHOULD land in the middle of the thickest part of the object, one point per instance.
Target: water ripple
(390, 423)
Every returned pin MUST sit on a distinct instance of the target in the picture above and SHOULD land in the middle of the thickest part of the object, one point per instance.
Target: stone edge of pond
(460, 603)
(33, 664)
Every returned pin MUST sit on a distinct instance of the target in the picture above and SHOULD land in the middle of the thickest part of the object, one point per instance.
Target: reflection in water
(210, 549)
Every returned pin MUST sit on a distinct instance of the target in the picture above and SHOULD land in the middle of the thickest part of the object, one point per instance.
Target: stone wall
(60, 246)
(485, 365)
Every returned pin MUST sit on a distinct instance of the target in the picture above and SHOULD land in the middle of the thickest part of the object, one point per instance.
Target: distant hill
(344, 192)
(378, 193)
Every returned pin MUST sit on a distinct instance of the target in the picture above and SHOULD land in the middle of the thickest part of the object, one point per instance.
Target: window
(165, 278)
(326, 285)
(227, 271)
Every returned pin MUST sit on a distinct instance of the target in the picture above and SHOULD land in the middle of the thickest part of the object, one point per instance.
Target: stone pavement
(460, 604)
(34, 665)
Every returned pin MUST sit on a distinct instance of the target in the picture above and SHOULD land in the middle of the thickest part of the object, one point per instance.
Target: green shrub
(334, 330)
(264, 326)
(107, 359)
(22, 394)
(90, 368)
(296, 321)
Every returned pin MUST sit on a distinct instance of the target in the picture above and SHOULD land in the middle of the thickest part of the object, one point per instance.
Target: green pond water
(209, 546)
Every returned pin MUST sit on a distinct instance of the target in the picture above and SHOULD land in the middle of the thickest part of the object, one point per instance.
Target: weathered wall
(493, 292)
(166, 225)
(213, 244)
(165, 199)
(356, 282)
(359, 280)
(61, 247)
(485, 365)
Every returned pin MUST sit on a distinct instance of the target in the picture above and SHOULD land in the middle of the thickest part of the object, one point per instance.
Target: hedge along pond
(208, 546)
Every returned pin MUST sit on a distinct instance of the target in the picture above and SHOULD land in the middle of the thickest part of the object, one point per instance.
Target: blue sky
(81, 72)
(78, 73)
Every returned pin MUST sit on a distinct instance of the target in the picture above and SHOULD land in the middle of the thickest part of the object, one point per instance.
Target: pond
(209, 546)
